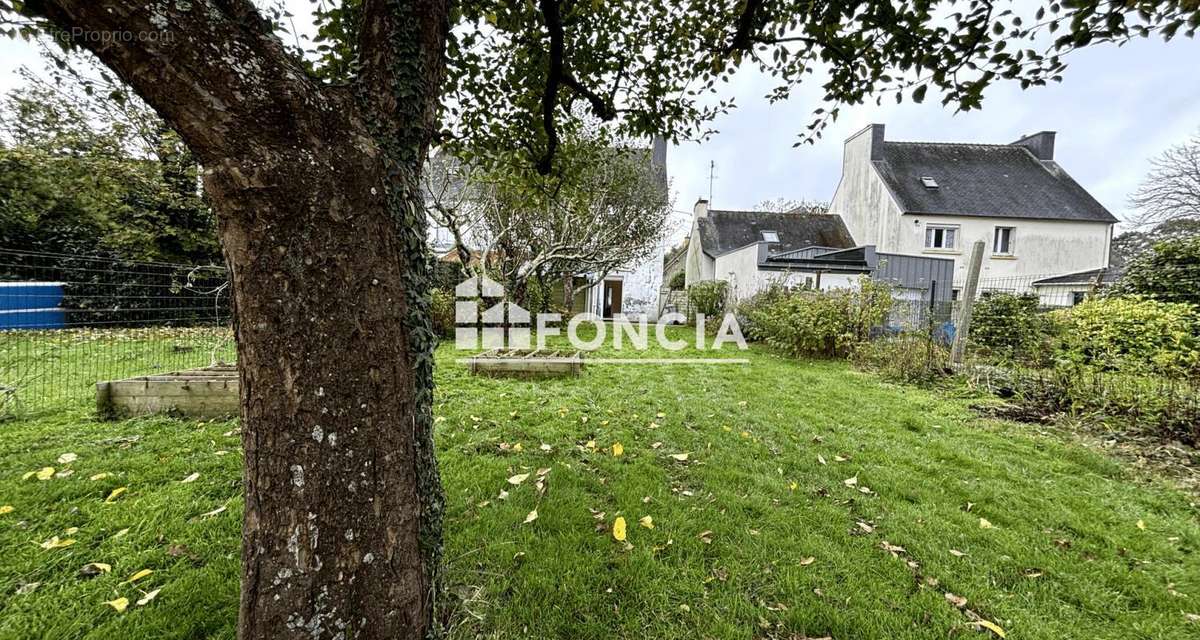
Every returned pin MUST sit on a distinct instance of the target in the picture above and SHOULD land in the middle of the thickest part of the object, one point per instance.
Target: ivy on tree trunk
(321, 218)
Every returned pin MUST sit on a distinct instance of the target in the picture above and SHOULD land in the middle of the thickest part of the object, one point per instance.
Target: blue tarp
(32, 305)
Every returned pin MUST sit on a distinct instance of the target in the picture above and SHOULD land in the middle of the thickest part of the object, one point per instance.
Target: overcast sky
(1115, 109)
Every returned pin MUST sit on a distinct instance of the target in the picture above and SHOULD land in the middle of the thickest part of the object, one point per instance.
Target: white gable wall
(863, 200)
(1042, 247)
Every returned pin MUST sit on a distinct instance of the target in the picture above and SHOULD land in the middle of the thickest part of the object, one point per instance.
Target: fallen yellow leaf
(681, 457)
(807, 561)
(148, 597)
(45, 473)
(993, 627)
(984, 524)
(191, 478)
(67, 458)
(99, 566)
(1141, 525)
(120, 604)
(116, 493)
(618, 529)
(533, 515)
(517, 447)
(617, 449)
(8, 508)
(55, 543)
(647, 522)
(100, 476)
(518, 479)
(139, 575)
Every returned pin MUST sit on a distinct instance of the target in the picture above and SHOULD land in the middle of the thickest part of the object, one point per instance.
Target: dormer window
(928, 182)
(770, 236)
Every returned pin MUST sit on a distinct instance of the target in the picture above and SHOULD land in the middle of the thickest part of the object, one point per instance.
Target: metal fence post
(962, 331)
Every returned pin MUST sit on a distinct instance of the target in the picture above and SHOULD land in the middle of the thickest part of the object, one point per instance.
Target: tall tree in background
(789, 205)
(603, 209)
(1172, 189)
(313, 168)
(83, 173)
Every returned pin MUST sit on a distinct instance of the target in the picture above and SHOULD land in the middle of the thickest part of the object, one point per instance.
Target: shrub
(911, 358)
(1165, 409)
(753, 314)
(817, 323)
(1134, 335)
(1009, 328)
(708, 297)
(441, 309)
(678, 281)
(1167, 272)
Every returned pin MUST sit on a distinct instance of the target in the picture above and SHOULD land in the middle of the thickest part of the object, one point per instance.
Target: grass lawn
(814, 501)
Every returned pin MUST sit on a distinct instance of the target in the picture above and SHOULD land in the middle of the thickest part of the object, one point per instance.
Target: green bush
(441, 309)
(818, 323)
(753, 313)
(1134, 335)
(708, 297)
(678, 281)
(1009, 328)
(1152, 405)
(910, 358)
(1169, 272)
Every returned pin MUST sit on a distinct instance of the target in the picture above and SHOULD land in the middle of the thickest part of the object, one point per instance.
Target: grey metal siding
(917, 272)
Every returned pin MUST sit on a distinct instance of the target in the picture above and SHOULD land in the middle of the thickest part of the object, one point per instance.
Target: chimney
(700, 210)
(1040, 144)
(870, 138)
(658, 153)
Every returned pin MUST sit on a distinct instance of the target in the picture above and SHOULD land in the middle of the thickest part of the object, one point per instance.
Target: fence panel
(68, 322)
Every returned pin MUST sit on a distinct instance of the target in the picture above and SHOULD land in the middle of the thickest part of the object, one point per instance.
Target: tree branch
(207, 67)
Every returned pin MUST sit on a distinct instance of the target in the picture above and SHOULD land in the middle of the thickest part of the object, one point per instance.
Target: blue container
(32, 305)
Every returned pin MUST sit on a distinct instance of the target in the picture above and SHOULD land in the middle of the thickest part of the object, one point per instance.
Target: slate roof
(1107, 276)
(997, 181)
(723, 230)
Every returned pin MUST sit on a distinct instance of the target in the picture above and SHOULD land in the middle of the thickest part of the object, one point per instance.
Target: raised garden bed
(525, 363)
(203, 393)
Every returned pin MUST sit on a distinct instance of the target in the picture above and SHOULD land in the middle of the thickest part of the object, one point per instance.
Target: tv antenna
(712, 174)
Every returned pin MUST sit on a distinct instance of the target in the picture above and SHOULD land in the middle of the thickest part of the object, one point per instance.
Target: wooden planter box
(202, 393)
(522, 363)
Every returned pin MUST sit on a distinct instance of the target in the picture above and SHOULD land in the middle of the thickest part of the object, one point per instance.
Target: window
(770, 236)
(1002, 243)
(954, 294)
(1078, 297)
(928, 182)
(940, 237)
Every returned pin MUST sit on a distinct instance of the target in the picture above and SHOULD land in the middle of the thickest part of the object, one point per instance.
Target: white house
(751, 250)
(937, 199)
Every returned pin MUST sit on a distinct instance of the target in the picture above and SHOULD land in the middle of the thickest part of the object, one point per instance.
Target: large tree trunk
(342, 519)
(316, 190)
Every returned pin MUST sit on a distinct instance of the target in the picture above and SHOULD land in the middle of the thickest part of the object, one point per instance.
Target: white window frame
(770, 236)
(947, 230)
(1012, 241)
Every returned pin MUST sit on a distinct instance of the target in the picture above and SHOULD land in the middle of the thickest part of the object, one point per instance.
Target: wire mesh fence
(1093, 344)
(69, 321)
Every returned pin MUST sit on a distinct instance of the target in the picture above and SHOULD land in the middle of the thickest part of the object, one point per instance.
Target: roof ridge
(958, 144)
(773, 213)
